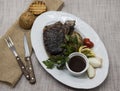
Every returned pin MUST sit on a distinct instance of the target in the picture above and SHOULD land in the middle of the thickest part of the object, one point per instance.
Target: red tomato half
(88, 43)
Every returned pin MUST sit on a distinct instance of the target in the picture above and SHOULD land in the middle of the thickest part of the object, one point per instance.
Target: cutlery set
(27, 70)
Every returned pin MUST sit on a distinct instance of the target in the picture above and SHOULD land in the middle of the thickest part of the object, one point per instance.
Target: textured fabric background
(102, 15)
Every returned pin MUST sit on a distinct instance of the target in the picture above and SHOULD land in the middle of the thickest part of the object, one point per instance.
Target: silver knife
(29, 65)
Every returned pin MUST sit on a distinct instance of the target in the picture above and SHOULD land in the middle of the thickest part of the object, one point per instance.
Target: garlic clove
(95, 62)
(91, 72)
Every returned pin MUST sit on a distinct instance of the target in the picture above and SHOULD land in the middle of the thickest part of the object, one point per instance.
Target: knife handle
(23, 69)
(30, 70)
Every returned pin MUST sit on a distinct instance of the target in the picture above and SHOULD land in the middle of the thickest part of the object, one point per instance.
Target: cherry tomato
(88, 43)
(86, 40)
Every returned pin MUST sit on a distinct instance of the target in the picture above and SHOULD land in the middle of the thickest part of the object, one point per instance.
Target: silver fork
(11, 46)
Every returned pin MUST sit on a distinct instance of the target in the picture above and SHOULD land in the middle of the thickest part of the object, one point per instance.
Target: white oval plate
(63, 76)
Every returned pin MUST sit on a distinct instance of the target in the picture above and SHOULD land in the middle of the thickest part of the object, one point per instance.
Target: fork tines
(9, 42)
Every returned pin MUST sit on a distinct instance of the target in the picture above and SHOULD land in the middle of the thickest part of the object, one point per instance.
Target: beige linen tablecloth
(102, 15)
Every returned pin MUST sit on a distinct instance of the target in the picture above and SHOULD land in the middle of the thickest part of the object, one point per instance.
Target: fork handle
(23, 69)
(30, 70)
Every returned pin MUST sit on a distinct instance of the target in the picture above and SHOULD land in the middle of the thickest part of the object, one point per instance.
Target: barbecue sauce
(77, 64)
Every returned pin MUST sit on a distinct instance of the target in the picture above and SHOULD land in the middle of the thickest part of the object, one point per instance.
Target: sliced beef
(70, 26)
(54, 36)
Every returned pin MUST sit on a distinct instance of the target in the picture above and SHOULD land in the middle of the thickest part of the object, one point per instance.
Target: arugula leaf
(62, 63)
(49, 64)
(67, 37)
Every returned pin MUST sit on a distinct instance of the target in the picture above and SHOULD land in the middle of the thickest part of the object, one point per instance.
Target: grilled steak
(54, 36)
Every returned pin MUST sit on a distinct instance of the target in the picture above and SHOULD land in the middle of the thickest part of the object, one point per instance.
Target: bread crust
(37, 7)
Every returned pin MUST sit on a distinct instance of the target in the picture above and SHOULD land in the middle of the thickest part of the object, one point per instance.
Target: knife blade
(29, 65)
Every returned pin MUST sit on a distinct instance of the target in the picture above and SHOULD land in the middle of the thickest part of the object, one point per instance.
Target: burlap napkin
(10, 72)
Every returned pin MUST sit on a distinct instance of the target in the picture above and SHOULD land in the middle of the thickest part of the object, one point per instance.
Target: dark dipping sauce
(77, 64)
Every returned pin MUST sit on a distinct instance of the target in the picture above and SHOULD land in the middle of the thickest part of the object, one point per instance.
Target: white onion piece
(91, 72)
(95, 62)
